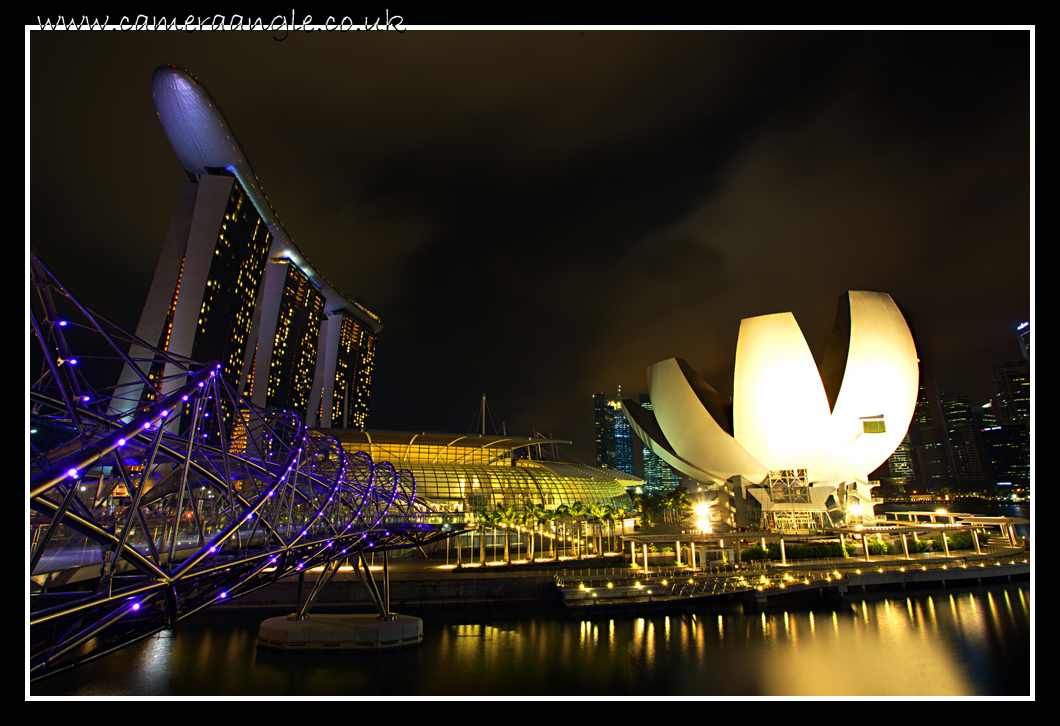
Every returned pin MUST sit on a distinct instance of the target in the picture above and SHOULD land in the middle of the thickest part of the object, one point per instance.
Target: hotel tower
(232, 287)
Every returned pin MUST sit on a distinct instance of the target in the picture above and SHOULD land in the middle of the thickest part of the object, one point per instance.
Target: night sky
(541, 215)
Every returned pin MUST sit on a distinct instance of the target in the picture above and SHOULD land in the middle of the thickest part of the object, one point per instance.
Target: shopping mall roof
(445, 440)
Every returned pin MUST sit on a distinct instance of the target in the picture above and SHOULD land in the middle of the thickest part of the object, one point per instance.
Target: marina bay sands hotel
(231, 286)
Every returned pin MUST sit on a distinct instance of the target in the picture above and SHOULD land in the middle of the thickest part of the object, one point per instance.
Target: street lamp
(702, 512)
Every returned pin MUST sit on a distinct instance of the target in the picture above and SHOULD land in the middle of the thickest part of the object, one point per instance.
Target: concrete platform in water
(340, 632)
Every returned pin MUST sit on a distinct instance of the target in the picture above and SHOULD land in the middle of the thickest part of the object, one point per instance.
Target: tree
(578, 510)
(537, 516)
(620, 513)
(552, 519)
(562, 512)
(508, 516)
(681, 502)
(609, 516)
(485, 519)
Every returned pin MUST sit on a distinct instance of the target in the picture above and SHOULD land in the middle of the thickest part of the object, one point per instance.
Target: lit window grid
(492, 486)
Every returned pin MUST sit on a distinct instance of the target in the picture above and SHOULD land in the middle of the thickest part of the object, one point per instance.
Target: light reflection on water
(932, 643)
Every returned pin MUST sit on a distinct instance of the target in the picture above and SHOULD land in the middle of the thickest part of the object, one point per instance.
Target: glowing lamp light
(72, 473)
(136, 606)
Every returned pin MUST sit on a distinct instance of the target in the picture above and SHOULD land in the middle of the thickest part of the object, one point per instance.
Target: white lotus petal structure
(839, 423)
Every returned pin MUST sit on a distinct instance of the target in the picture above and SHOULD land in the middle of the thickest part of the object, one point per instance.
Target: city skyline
(540, 215)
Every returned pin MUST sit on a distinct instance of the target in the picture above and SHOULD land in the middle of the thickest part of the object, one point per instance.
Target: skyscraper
(614, 437)
(232, 287)
(658, 475)
(1012, 392)
(962, 434)
(927, 438)
(604, 429)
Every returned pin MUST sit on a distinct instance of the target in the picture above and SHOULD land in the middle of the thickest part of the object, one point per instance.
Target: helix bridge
(149, 504)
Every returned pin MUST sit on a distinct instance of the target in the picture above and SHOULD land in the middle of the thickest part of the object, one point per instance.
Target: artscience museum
(794, 446)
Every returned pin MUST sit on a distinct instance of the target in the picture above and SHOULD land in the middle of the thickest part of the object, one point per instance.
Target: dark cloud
(541, 215)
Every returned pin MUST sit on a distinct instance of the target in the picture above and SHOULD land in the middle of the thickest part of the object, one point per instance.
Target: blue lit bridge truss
(149, 504)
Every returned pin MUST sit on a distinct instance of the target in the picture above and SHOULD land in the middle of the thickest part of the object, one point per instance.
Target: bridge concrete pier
(340, 632)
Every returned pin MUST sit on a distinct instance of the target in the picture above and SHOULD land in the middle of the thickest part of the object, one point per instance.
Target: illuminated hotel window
(874, 426)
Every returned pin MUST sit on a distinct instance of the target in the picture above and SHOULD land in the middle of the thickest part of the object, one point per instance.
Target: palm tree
(484, 519)
(609, 517)
(507, 516)
(552, 518)
(562, 512)
(679, 502)
(599, 513)
(620, 513)
(537, 516)
(578, 510)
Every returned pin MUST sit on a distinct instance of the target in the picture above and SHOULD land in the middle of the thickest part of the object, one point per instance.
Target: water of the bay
(973, 641)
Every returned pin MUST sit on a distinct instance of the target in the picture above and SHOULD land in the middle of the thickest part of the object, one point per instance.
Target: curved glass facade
(462, 473)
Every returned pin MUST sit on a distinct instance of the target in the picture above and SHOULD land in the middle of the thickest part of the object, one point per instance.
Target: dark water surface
(957, 642)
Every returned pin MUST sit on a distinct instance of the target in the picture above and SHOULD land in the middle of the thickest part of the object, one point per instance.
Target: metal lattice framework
(789, 486)
(187, 497)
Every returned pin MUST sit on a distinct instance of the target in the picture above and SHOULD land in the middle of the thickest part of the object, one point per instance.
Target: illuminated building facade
(799, 440)
(468, 472)
(1012, 392)
(658, 475)
(614, 437)
(604, 429)
(232, 287)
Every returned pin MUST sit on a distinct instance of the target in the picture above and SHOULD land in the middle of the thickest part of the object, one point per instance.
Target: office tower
(232, 287)
(1008, 453)
(1024, 332)
(614, 438)
(658, 475)
(1012, 392)
(927, 438)
(604, 426)
(962, 434)
(623, 437)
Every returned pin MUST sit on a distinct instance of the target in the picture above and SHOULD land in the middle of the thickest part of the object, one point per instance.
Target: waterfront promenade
(610, 583)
